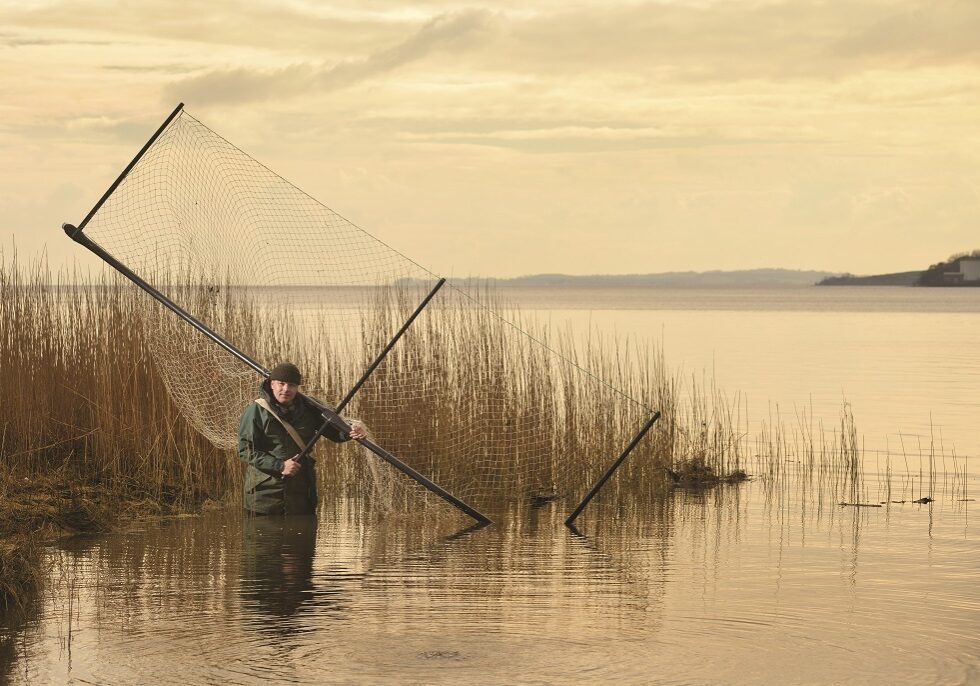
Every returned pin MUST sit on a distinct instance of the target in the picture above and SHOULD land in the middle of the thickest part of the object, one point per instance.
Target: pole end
(71, 230)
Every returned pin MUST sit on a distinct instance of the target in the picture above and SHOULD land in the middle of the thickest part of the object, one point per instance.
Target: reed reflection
(14, 624)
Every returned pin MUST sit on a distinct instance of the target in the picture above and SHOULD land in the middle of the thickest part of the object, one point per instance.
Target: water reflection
(14, 624)
(276, 578)
(691, 586)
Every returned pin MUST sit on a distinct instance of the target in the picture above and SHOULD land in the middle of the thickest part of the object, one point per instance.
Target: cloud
(13, 39)
(252, 24)
(158, 68)
(71, 127)
(942, 32)
(586, 138)
(228, 86)
(447, 31)
(235, 86)
(776, 40)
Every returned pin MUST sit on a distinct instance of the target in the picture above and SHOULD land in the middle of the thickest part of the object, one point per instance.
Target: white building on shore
(967, 271)
(970, 268)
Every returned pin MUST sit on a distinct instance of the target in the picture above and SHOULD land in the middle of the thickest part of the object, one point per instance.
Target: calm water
(720, 588)
(762, 583)
(907, 360)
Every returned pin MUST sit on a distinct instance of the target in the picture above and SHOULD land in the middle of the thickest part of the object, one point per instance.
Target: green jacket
(264, 445)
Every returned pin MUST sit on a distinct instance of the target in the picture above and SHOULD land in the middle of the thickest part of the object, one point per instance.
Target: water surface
(769, 582)
(904, 359)
(736, 585)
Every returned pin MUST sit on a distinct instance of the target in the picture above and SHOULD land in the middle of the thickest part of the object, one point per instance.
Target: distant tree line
(897, 279)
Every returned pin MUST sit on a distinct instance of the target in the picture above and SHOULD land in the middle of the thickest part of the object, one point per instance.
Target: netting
(467, 397)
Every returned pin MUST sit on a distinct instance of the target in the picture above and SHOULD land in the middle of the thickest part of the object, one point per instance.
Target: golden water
(769, 582)
(737, 585)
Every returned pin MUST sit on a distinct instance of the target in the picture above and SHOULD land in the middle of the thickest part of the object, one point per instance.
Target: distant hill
(896, 279)
(749, 278)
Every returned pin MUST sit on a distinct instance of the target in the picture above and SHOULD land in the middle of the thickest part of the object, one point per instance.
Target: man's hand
(291, 467)
(357, 431)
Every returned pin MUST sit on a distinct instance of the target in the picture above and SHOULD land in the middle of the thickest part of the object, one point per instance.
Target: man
(272, 432)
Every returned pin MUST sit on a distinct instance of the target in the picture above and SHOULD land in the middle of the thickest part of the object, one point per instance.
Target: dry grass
(21, 572)
(86, 400)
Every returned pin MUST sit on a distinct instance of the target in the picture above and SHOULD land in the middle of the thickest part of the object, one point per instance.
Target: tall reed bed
(492, 409)
(501, 409)
(83, 398)
(495, 411)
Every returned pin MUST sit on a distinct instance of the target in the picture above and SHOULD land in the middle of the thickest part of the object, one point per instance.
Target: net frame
(191, 274)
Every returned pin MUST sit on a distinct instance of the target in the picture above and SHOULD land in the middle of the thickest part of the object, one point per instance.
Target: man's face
(283, 391)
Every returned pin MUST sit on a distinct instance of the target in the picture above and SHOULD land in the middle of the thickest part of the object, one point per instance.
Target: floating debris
(539, 499)
(441, 655)
(696, 472)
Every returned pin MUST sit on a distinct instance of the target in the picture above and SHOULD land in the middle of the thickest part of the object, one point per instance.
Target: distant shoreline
(749, 278)
(895, 279)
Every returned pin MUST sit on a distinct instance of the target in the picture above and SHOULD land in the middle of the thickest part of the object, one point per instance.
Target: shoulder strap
(293, 433)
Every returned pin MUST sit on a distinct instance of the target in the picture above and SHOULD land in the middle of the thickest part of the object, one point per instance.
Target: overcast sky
(518, 137)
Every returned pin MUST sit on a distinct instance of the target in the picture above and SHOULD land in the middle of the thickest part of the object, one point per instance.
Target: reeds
(21, 573)
(500, 411)
(83, 398)
(492, 409)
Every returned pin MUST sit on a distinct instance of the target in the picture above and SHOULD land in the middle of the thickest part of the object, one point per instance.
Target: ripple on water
(742, 598)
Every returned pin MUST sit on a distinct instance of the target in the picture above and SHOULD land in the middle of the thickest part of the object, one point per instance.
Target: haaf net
(466, 397)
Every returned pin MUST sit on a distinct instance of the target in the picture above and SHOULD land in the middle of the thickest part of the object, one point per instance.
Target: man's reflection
(277, 569)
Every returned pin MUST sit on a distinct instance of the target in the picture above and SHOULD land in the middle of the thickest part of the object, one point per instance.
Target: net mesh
(468, 397)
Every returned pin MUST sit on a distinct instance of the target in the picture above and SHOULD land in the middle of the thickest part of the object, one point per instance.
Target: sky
(531, 136)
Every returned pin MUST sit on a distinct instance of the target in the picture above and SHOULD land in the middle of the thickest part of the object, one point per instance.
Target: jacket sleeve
(252, 441)
(335, 435)
(331, 432)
